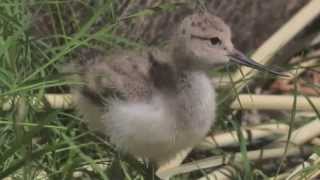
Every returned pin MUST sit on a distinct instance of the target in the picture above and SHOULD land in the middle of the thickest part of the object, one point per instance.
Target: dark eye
(215, 41)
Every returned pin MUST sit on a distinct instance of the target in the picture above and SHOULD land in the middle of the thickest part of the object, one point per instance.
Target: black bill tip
(241, 59)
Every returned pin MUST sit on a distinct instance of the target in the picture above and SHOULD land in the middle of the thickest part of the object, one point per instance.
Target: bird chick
(157, 102)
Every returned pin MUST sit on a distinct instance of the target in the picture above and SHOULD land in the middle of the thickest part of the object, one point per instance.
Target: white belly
(161, 128)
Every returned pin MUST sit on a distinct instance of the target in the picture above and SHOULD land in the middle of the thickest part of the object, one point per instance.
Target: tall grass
(37, 143)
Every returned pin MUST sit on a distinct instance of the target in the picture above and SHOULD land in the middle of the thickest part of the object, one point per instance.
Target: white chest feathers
(196, 101)
(159, 129)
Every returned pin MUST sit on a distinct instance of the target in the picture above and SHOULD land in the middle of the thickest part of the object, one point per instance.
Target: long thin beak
(241, 59)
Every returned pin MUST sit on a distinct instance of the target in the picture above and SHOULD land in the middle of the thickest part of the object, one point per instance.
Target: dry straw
(279, 39)
(303, 134)
(255, 133)
(234, 158)
(274, 102)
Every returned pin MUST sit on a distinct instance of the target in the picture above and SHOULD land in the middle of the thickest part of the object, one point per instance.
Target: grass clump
(36, 141)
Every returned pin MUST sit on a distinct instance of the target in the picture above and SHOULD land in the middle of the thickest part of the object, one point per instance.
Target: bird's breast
(196, 104)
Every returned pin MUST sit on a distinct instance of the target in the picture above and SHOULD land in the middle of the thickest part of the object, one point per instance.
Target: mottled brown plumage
(157, 102)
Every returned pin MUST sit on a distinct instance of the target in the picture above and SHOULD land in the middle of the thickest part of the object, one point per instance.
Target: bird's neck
(187, 92)
(195, 99)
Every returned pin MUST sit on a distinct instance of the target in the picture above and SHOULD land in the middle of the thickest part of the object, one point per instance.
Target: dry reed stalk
(282, 176)
(236, 158)
(298, 137)
(301, 115)
(308, 57)
(256, 132)
(278, 40)
(315, 141)
(303, 134)
(298, 70)
(315, 175)
(61, 101)
(174, 162)
(274, 102)
(224, 173)
(297, 172)
(316, 40)
(270, 102)
(56, 101)
(227, 139)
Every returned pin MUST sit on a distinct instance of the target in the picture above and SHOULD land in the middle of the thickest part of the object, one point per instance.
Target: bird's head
(204, 41)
